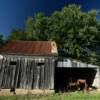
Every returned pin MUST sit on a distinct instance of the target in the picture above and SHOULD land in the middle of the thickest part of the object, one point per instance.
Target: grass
(56, 96)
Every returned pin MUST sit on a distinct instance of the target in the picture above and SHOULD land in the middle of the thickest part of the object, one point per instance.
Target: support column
(96, 82)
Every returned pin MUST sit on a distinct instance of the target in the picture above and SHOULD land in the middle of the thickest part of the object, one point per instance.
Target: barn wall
(29, 72)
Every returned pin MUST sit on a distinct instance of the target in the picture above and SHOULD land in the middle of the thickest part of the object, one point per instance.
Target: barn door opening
(63, 75)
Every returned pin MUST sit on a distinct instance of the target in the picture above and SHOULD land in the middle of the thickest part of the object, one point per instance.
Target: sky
(13, 13)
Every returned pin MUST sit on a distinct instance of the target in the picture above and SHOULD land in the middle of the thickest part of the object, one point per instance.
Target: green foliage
(76, 33)
(17, 34)
(40, 27)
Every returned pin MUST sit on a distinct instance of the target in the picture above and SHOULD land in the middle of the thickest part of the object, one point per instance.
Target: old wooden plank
(52, 66)
(22, 69)
(7, 79)
(49, 71)
(37, 73)
(33, 69)
(29, 75)
(24, 74)
(18, 81)
(17, 73)
(4, 73)
(42, 76)
(1, 66)
(46, 73)
(14, 72)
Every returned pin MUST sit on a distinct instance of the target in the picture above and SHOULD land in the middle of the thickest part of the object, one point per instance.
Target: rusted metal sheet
(30, 48)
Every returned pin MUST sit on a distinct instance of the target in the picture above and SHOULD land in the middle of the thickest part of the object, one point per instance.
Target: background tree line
(76, 33)
(1, 41)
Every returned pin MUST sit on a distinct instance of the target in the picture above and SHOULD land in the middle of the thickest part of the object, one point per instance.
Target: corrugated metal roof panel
(74, 64)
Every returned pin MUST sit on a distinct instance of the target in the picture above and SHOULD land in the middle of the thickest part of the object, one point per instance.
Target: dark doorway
(62, 76)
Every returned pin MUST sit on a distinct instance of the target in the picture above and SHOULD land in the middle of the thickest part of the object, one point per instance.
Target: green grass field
(57, 96)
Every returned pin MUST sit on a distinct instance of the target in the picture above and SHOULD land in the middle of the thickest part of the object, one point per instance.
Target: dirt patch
(6, 92)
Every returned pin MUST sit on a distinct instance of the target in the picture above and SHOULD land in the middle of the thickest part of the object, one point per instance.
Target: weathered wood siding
(27, 72)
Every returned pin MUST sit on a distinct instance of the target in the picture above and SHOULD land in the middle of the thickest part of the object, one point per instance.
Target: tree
(37, 27)
(29, 28)
(76, 33)
(1, 40)
(17, 34)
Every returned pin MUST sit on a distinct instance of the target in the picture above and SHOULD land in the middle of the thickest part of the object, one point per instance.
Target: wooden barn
(35, 65)
(28, 65)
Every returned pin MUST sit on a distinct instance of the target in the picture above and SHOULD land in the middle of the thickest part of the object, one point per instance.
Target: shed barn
(28, 65)
(67, 69)
(35, 65)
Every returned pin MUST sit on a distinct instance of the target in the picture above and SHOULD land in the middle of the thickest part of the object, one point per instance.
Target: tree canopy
(76, 33)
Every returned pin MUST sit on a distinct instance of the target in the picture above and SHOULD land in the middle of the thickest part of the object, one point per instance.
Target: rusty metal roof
(30, 47)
